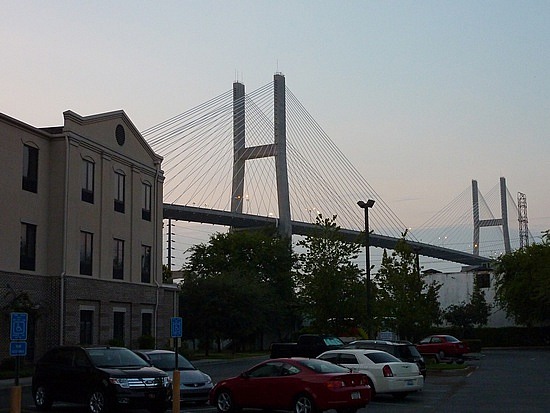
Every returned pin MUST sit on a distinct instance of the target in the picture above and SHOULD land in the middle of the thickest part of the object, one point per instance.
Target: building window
(88, 181)
(145, 264)
(118, 259)
(146, 207)
(119, 192)
(27, 252)
(86, 326)
(30, 168)
(147, 324)
(86, 252)
(118, 327)
(483, 280)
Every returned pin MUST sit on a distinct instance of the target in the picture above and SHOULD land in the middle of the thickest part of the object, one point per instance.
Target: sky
(421, 96)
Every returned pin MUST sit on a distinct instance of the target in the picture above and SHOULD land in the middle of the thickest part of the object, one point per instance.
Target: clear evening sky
(421, 96)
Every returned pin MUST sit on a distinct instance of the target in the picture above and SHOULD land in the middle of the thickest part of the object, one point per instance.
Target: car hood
(131, 372)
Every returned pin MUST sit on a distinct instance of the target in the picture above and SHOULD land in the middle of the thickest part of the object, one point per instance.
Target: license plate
(355, 395)
(410, 382)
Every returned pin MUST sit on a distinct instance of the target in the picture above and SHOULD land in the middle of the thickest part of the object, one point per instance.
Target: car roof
(354, 350)
(154, 351)
(385, 342)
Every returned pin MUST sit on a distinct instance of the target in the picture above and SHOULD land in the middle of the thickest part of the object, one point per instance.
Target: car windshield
(115, 357)
(452, 339)
(381, 357)
(333, 341)
(167, 361)
(322, 366)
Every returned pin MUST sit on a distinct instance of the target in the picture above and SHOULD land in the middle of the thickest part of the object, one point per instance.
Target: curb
(454, 372)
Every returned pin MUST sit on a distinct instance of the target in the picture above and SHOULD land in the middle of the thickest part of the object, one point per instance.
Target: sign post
(176, 331)
(18, 348)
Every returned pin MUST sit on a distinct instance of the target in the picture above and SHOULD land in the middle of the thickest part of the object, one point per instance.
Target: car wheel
(42, 399)
(304, 404)
(440, 356)
(372, 389)
(225, 402)
(97, 403)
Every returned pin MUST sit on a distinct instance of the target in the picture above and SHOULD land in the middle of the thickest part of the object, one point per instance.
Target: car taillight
(387, 371)
(364, 381)
(335, 384)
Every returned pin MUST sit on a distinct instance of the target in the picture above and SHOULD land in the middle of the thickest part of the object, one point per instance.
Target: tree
(523, 283)
(467, 315)
(238, 285)
(331, 287)
(166, 274)
(405, 303)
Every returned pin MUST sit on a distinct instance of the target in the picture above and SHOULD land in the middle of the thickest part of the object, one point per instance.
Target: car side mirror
(245, 375)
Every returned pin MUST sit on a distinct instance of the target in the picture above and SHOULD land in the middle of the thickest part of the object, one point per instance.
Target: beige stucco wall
(56, 285)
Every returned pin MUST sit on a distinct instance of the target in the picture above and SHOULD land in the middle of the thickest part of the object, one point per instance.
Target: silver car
(195, 385)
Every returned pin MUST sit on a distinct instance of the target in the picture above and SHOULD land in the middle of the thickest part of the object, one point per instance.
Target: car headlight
(120, 381)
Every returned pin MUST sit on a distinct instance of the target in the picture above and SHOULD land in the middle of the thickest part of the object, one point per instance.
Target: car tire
(225, 402)
(372, 389)
(304, 404)
(97, 402)
(42, 399)
(440, 356)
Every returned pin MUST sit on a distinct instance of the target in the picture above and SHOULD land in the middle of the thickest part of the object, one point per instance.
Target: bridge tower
(242, 153)
(478, 223)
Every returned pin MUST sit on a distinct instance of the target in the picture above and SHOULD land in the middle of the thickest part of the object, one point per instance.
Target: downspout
(156, 311)
(156, 241)
(65, 236)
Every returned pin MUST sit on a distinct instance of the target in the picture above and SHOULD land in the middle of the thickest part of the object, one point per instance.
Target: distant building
(81, 230)
(457, 288)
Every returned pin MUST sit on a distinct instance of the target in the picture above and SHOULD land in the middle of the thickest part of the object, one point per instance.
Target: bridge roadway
(239, 220)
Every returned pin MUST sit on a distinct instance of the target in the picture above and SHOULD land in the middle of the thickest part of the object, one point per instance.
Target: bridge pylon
(478, 223)
(242, 153)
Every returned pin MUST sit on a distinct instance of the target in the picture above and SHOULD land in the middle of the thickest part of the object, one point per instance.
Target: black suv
(105, 378)
(403, 350)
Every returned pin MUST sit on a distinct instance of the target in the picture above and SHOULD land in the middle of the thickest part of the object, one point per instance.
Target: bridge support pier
(478, 223)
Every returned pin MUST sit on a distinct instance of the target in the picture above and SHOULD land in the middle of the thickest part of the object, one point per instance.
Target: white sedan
(386, 373)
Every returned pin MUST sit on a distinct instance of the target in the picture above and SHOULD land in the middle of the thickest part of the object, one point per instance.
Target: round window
(120, 134)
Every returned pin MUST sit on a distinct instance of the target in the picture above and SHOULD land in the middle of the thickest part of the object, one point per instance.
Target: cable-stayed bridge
(250, 159)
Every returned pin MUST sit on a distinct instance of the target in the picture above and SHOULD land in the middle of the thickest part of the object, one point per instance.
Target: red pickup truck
(443, 347)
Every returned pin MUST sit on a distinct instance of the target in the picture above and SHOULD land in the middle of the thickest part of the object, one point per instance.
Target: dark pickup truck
(308, 345)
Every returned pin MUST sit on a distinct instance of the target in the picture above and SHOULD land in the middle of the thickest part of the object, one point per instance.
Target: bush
(146, 342)
(7, 364)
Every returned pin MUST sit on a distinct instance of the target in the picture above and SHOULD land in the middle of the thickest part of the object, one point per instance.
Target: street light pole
(366, 206)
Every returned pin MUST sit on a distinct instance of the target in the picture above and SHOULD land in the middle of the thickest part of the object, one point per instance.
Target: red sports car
(298, 384)
(443, 346)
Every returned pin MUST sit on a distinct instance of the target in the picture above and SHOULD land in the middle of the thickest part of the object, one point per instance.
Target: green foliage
(405, 303)
(166, 274)
(237, 285)
(523, 283)
(146, 342)
(467, 315)
(331, 286)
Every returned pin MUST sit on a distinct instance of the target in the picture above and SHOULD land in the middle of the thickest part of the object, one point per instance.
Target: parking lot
(499, 381)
